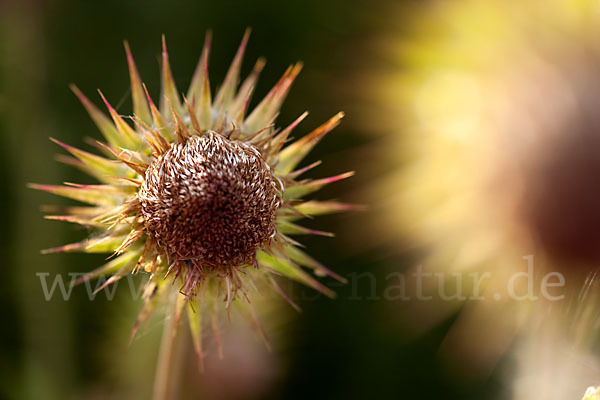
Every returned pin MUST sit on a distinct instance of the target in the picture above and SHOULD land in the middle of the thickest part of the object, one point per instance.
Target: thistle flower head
(199, 192)
(210, 201)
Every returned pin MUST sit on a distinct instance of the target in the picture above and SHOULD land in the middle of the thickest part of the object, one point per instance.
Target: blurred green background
(348, 348)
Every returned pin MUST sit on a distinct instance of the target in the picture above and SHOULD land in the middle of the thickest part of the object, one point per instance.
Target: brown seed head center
(210, 200)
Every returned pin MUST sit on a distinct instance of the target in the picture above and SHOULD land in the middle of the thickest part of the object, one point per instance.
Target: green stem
(164, 379)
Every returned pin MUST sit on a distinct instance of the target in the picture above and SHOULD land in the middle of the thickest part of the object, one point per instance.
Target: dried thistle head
(199, 192)
(210, 201)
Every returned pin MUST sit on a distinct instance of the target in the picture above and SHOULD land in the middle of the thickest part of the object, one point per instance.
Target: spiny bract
(198, 193)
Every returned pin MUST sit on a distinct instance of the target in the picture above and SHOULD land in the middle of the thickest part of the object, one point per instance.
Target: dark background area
(347, 348)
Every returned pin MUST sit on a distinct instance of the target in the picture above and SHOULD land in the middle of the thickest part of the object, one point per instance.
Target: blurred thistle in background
(592, 394)
(496, 108)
